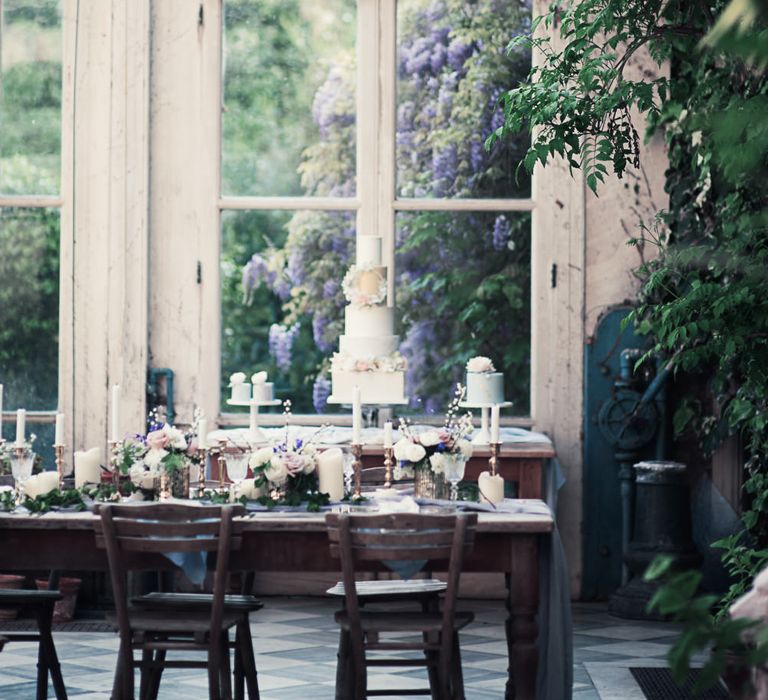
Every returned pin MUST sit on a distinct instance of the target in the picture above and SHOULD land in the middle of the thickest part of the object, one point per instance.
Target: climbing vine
(703, 300)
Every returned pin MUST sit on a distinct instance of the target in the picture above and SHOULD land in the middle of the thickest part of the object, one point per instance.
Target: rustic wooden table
(506, 542)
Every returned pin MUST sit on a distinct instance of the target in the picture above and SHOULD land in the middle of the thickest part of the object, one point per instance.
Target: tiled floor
(295, 644)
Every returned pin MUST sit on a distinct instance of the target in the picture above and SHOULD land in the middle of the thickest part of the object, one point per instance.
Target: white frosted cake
(241, 390)
(484, 385)
(262, 389)
(368, 356)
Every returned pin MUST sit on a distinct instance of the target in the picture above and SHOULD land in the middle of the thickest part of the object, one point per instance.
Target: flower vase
(179, 482)
(427, 484)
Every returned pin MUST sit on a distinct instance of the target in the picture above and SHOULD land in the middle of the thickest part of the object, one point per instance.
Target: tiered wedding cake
(368, 356)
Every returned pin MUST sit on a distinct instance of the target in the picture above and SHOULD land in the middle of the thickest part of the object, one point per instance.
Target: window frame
(376, 202)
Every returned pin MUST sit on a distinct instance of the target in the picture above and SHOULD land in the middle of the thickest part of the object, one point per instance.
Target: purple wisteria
(321, 390)
(281, 344)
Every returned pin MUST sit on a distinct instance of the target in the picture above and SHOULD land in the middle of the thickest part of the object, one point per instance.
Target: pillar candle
(87, 467)
(330, 473)
(21, 422)
(116, 413)
(388, 434)
(202, 434)
(59, 435)
(495, 423)
(491, 488)
(41, 484)
(357, 417)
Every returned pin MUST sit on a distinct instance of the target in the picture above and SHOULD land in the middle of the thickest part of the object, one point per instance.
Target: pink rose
(294, 463)
(158, 440)
(362, 366)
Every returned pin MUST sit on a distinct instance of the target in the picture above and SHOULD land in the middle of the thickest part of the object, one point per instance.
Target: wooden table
(507, 543)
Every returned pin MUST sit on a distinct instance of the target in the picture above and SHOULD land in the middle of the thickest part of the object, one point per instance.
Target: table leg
(521, 628)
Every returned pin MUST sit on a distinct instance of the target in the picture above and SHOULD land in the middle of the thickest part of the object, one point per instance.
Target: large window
(30, 165)
(372, 115)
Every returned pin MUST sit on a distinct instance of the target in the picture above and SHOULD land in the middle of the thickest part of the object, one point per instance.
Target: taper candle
(357, 417)
(202, 434)
(116, 413)
(495, 423)
(59, 434)
(21, 423)
(388, 434)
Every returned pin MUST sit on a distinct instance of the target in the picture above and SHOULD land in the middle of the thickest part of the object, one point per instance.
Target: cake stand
(254, 432)
(483, 436)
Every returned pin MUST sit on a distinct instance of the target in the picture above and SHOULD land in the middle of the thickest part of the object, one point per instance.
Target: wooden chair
(359, 541)
(133, 536)
(40, 604)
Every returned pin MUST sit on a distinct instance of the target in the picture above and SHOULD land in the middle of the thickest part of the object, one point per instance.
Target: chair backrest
(401, 537)
(128, 531)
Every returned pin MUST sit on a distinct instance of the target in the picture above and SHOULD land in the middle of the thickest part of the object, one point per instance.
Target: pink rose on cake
(480, 364)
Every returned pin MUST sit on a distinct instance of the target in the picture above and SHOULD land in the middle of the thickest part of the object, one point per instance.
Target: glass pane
(452, 67)
(288, 120)
(29, 308)
(30, 96)
(463, 289)
(282, 305)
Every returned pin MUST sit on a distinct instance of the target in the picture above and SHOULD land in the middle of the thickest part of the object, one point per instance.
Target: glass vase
(427, 484)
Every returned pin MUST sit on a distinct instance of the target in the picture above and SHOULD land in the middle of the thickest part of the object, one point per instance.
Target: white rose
(466, 449)
(148, 479)
(175, 437)
(401, 449)
(276, 473)
(136, 474)
(260, 457)
(237, 378)
(480, 364)
(437, 461)
(309, 450)
(154, 457)
(309, 464)
(259, 378)
(430, 438)
(415, 453)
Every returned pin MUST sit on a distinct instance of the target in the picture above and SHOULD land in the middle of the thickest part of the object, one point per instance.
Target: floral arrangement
(288, 469)
(384, 363)
(480, 364)
(165, 448)
(430, 449)
(351, 284)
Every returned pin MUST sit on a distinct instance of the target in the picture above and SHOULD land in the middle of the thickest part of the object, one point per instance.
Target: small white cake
(485, 387)
(262, 389)
(484, 384)
(241, 392)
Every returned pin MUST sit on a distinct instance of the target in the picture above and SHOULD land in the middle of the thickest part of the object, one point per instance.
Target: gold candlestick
(493, 460)
(201, 473)
(59, 456)
(113, 463)
(357, 465)
(221, 460)
(388, 462)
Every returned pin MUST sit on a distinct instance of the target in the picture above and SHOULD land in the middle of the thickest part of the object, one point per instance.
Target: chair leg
(239, 682)
(123, 688)
(146, 674)
(51, 659)
(214, 670)
(244, 651)
(344, 672)
(156, 675)
(224, 671)
(457, 675)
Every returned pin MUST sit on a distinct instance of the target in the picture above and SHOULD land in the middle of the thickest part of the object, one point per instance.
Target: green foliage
(55, 499)
(741, 560)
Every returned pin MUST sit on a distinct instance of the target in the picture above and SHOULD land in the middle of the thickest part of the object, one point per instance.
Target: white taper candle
(59, 434)
(357, 416)
(388, 434)
(21, 423)
(202, 434)
(495, 423)
(116, 413)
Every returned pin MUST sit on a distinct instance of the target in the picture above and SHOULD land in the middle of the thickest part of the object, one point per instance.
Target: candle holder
(21, 468)
(59, 457)
(389, 453)
(221, 461)
(165, 485)
(493, 460)
(201, 472)
(112, 444)
(357, 466)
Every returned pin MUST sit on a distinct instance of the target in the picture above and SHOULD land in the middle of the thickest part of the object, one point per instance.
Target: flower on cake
(258, 378)
(237, 378)
(351, 285)
(480, 364)
(429, 449)
(344, 362)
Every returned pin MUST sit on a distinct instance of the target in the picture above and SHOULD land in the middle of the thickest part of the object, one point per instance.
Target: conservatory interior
(381, 347)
